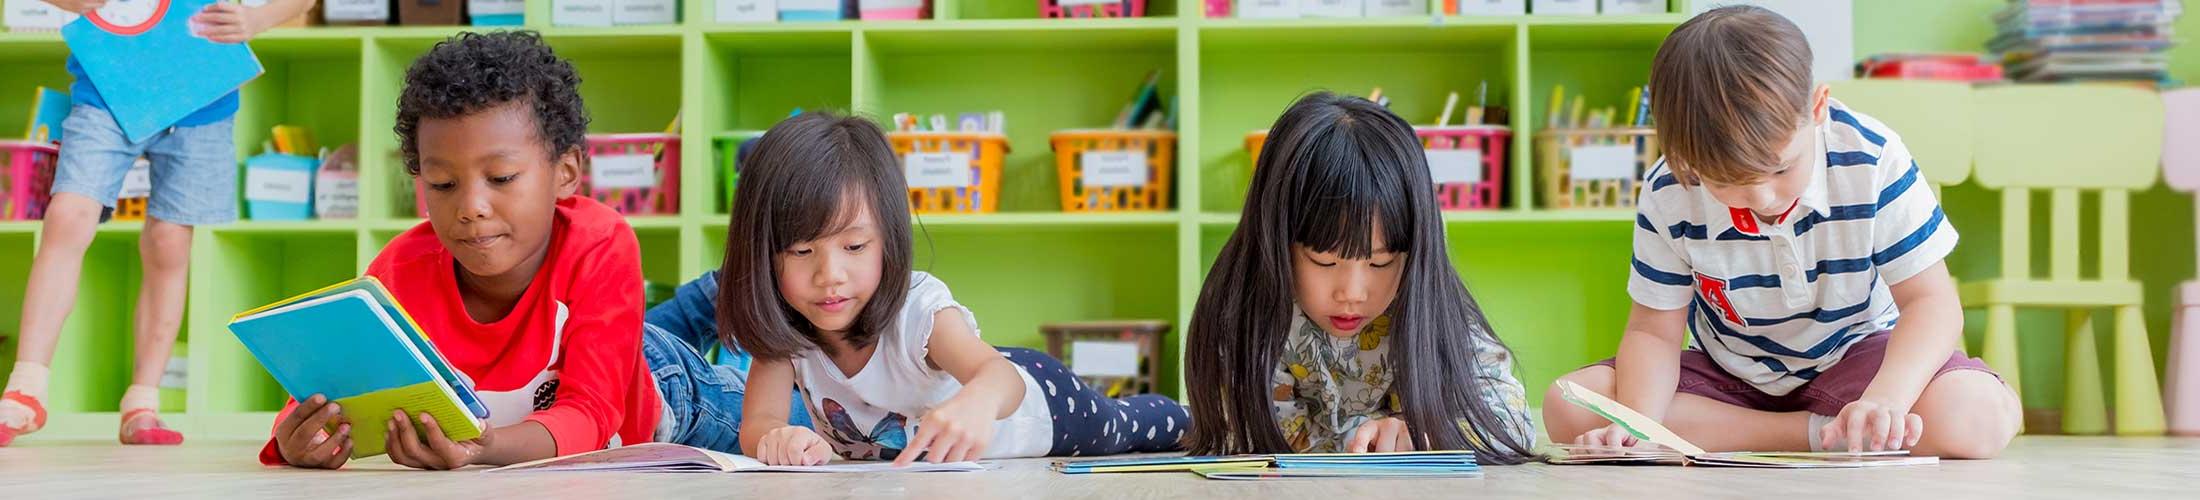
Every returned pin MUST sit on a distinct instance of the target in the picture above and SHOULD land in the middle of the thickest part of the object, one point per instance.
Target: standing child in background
(1333, 320)
(817, 286)
(532, 293)
(194, 165)
(1789, 233)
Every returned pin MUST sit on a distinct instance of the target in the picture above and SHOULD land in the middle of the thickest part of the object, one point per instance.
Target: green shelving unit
(1027, 265)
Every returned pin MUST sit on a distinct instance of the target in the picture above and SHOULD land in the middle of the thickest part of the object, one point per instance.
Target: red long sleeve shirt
(594, 269)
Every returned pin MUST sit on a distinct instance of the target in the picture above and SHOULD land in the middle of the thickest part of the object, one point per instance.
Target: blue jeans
(702, 400)
(194, 168)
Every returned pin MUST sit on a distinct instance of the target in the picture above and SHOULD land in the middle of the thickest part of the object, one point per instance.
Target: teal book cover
(148, 66)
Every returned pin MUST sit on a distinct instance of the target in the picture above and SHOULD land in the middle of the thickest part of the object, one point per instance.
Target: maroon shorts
(1836, 387)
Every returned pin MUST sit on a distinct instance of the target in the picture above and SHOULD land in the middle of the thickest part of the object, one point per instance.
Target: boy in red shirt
(532, 293)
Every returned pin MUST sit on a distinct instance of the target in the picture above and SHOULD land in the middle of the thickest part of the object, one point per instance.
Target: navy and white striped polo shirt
(1777, 303)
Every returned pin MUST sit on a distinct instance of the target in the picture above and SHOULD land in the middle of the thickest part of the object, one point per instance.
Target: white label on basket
(937, 170)
(1634, 6)
(1602, 162)
(1389, 8)
(748, 11)
(1067, 3)
(1493, 7)
(495, 7)
(278, 185)
(1454, 166)
(35, 15)
(1100, 358)
(138, 182)
(1115, 168)
(1565, 7)
(1267, 9)
(580, 13)
(1333, 8)
(623, 171)
(336, 195)
(630, 12)
(341, 11)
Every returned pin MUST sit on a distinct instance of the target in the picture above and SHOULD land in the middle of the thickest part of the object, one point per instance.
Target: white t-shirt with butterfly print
(871, 416)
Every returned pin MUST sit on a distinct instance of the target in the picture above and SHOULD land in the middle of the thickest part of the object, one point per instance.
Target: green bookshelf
(1027, 265)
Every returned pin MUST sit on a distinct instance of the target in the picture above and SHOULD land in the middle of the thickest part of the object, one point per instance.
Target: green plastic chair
(1933, 118)
(2066, 139)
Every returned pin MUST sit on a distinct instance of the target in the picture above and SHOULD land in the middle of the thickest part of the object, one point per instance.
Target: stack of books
(2087, 40)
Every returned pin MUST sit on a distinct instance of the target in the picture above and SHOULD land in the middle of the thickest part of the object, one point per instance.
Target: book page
(1642, 426)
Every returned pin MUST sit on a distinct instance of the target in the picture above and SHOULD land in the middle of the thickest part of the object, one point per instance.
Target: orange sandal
(155, 435)
(38, 417)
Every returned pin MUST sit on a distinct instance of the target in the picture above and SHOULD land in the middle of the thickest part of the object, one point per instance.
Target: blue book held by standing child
(151, 69)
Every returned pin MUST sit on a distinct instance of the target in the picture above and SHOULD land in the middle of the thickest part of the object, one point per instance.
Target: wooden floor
(2035, 467)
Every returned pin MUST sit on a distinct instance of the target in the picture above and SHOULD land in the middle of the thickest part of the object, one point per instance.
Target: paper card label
(1115, 168)
(138, 182)
(1391, 8)
(813, 5)
(278, 185)
(938, 170)
(1565, 6)
(355, 10)
(36, 15)
(1454, 166)
(888, 4)
(1493, 7)
(1634, 6)
(1100, 358)
(1602, 162)
(1258, 9)
(495, 7)
(1333, 8)
(623, 171)
(581, 13)
(747, 11)
(336, 195)
(644, 12)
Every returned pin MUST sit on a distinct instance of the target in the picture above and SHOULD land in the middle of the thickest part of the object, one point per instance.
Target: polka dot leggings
(1088, 423)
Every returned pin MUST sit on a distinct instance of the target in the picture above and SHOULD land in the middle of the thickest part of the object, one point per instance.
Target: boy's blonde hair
(1728, 88)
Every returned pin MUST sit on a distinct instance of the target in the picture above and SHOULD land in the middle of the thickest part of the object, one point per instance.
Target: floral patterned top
(1325, 387)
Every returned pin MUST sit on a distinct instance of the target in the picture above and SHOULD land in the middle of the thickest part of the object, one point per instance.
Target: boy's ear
(569, 168)
(1821, 103)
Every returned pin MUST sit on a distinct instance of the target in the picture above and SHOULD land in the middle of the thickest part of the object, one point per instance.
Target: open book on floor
(1416, 464)
(1679, 451)
(670, 457)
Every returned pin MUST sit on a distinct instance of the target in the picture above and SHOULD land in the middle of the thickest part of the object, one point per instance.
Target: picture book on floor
(671, 457)
(1413, 464)
(356, 346)
(1680, 452)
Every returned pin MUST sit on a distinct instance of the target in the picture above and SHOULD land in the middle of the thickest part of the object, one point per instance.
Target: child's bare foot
(19, 414)
(143, 426)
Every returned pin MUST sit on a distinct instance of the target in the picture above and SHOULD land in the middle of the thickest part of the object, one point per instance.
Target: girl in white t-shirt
(817, 286)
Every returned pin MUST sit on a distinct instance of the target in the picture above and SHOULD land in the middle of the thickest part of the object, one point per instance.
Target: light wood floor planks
(2048, 467)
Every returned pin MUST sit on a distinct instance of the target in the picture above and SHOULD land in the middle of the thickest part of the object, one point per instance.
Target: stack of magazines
(2086, 40)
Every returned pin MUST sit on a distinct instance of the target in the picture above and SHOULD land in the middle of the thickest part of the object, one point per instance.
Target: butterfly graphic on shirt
(884, 442)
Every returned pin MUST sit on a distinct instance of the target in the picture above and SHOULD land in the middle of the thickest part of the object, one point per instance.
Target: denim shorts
(194, 168)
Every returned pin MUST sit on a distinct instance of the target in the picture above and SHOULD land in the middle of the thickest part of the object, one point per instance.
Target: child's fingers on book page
(815, 451)
(925, 435)
(1917, 430)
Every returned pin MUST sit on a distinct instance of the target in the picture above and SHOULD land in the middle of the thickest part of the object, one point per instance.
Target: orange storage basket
(1560, 189)
(1156, 147)
(981, 194)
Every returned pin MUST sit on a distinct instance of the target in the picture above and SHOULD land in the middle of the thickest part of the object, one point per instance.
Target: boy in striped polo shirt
(1794, 240)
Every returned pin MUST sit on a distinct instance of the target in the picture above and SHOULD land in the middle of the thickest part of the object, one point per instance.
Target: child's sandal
(155, 435)
(38, 417)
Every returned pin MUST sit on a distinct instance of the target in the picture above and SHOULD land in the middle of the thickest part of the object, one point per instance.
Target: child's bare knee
(1968, 415)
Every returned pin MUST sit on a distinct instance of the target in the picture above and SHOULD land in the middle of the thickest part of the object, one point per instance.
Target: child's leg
(194, 170)
(1713, 424)
(89, 174)
(1968, 412)
(1089, 423)
(702, 402)
(165, 250)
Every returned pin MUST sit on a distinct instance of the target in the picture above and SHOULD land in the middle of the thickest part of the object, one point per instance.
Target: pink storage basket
(28, 184)
(661, 199)
(1217, 9)
(1053, 9)
(1486, 194)
(895, 14)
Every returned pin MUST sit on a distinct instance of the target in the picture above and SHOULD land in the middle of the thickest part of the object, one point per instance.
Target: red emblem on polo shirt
(1714, 291)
